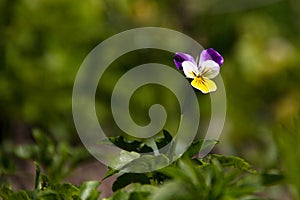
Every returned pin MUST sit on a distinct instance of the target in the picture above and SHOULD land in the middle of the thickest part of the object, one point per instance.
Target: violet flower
(207, 68)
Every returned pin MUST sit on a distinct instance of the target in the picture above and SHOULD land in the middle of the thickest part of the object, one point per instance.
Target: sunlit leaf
(124, 158)
(147, 163)
(88, 190)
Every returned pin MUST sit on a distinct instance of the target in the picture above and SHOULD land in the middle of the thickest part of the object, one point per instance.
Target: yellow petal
(205, 85)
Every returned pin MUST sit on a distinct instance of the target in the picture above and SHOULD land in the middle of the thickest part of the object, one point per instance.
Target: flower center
(199, 79)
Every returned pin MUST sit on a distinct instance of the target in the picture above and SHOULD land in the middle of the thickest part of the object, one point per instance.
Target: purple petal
(211, 54)
(179, 58)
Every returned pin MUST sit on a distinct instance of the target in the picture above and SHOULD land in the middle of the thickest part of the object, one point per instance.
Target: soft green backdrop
(42, 44)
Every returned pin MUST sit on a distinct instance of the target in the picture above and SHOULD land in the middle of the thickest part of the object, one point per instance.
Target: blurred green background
(43, 43)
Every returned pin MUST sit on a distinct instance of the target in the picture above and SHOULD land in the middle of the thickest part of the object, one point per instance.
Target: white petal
(209, 69)
(190, 69)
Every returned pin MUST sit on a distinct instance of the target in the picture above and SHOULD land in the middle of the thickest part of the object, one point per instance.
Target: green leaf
(27, 151)
(126, 144)
(124, 158)
(134, 191)
(37, 176)
(139, 195)
(137, 187)
(152, 144)
(193, 149)
(196, 147)
(183, 171)
(41, 181)
(129, 178)
(161, 142)
(49, 195)
(210, 180)
(287, 138)
(208, 143)
(233, 161)
(66, 190)
(5, 191)
(88, 190)
(110, 172)
(174, 190)
(20, 195)
(41, 138)
(119, 195)
(272, 179)
(147, 163)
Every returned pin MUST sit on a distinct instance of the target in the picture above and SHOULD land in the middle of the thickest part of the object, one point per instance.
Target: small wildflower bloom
(202, 72)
